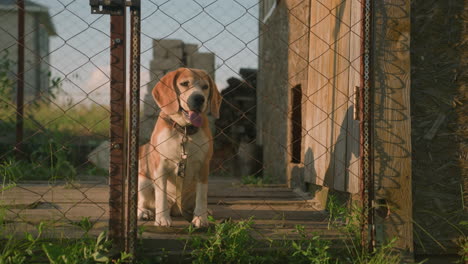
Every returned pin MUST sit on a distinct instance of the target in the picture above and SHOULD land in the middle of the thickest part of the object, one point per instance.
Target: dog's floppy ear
(215, 102)
(165, 95)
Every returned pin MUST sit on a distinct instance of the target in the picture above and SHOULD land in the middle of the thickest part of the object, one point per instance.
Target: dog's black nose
(195, 102)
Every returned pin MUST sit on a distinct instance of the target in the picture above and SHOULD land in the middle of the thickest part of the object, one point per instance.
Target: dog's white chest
(169, 146)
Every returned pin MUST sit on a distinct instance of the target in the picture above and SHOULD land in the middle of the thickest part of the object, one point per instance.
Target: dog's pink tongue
(195, 119)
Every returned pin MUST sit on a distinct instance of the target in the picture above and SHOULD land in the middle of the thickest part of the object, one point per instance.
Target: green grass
(233, 242)
(58, 121)
(49, 137)
(30, 248)
(43, 114)
(48, 162)
(256, 180)
(36, 249)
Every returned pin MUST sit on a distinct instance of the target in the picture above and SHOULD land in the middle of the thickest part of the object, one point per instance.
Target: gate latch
(111, 7)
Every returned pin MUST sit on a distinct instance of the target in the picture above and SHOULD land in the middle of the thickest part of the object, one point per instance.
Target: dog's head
(185, 94)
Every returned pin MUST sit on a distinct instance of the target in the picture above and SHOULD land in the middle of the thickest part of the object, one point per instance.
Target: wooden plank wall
(352, 179)
(332, 140)
(298, 60)
(392, 121)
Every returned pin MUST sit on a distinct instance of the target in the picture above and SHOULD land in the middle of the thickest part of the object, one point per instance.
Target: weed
(310, 249)
(11, 170)
(347, 220)
(45, 125)
(31, 248)
(48, 162)
(86, 250)
(54, 162)
(232, 242)
(462, 242)
(228, 242)
(255, 180)
(6, 84)
(84, 224)
(13, 250)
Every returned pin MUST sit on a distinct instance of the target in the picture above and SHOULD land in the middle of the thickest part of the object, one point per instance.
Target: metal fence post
(133, 143)
(123, 179)
(20, 79)
(368, 228)
(117, 168)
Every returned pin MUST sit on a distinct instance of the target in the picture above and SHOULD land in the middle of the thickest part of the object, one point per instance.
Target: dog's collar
(190, 129)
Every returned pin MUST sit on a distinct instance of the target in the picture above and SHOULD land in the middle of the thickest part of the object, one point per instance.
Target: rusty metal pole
(133, 143)
(117, 168)
(20, 80)
(368, 227)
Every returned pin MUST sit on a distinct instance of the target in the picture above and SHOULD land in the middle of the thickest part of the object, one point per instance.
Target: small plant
(84, 224)
(14, 250)
(232, 242)
(6, 83)
(462, 242)
(255, 180)
(463, 252)
(32, 249)
(11, 170)
(228, 242)
(53, 162)
(348, 221)
(310, 249)
(48, 162)
(86, 250)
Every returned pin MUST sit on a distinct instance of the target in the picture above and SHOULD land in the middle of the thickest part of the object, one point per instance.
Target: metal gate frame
(123, 170)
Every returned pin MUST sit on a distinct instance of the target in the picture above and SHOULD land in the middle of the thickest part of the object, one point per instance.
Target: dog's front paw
(145, 214)
(163, 220)
(200, 221)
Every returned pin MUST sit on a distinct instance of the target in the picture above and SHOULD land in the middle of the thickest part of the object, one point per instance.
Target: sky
(79, 54)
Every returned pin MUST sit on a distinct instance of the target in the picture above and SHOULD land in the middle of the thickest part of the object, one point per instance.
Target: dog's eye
(186, 83)
(204, 87)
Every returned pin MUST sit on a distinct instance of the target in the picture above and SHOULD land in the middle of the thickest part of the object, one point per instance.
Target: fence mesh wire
(286, 136)
(289, 74)
(49, 176)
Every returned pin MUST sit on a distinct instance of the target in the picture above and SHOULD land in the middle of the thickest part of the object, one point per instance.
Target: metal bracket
(108, 7)
(111, 7)
(356, 99)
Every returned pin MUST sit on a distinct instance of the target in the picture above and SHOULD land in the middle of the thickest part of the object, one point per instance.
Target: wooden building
(306, 105)
(310, 64)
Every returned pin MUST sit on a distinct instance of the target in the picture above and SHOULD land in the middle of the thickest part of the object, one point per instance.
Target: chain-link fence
(293, 77)
(53, 163)
(288, 133)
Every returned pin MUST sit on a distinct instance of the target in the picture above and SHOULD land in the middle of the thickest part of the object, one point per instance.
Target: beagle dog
(174, 165)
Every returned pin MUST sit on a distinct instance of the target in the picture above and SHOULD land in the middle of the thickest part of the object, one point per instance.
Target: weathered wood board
(392, 121)
(275, 209)
(332, 141)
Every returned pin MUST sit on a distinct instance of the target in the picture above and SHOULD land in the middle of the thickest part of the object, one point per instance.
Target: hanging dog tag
(181, 169)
